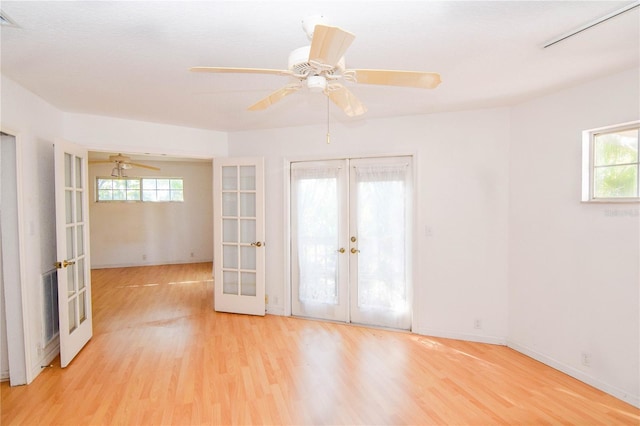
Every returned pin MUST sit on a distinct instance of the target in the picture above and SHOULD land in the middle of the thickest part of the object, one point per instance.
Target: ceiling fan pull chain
(328, 137)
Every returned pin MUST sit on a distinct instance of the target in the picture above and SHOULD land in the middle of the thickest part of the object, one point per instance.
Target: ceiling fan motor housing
(301, 68)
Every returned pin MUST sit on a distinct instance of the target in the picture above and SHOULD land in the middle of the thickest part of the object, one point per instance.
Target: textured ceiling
(131, 59)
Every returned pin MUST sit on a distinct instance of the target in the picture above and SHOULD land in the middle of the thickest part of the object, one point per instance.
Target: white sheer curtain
(381, 221)
(315, 232)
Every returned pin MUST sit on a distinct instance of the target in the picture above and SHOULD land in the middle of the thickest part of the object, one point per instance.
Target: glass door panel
(74, 286)
(380, 217)
(318, 239)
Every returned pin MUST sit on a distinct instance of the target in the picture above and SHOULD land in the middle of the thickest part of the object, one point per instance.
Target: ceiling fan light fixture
(115, 172)
(316, 83)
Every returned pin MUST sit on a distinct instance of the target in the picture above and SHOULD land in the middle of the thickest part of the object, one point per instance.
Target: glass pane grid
(72, 315)
(140, 189)
(239, 217)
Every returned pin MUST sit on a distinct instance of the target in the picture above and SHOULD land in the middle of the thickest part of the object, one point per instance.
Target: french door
(72, 231)
(350, 240)
(239, 257)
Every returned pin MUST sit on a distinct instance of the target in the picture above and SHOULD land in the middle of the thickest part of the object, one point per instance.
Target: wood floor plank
(161, 355)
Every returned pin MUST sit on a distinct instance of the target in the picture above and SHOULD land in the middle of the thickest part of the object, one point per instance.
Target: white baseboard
(478, 338)
(51, 352)
(275, 310)
(577, 374)
(4, 376)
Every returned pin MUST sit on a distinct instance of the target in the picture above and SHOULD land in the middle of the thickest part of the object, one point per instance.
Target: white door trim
(16, 291)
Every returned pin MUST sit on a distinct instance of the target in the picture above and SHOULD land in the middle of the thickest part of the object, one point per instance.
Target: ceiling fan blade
(329, 44)
(423, 80)
(100, 161)
(273, 98)
(342, 97)
(143, 166)
(240, 70)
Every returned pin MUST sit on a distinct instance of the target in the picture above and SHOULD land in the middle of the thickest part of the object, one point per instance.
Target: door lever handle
(341, 250)
(355, 250)
(257, 244)
(64, 264)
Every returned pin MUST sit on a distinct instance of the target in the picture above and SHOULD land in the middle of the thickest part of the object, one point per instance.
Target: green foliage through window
(615, 164)
(140, 189)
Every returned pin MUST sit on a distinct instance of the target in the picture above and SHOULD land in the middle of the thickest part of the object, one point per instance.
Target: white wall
(573, 267)
(120, 135)
(4, 349)
(36, 125)
(122, 233)
(461, 162)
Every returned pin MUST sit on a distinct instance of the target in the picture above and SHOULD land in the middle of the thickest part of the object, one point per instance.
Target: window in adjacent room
(162, 190)
(611, 167)
(109, 189)
(140, 189)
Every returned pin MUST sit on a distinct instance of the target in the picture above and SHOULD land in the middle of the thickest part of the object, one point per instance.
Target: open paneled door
(72, 227)
(239, 253)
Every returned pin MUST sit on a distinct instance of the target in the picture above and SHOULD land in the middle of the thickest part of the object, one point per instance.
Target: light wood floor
(161, 355)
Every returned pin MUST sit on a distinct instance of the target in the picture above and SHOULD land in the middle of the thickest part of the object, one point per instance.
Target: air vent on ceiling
(5, 21)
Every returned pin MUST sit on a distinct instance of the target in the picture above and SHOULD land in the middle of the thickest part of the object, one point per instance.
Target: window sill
(613, 201)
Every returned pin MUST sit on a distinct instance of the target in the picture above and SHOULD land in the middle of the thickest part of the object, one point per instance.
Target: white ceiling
(130, 59)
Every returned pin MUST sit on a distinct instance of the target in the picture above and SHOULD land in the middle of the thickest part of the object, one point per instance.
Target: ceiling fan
(321, 67)
(122, 163)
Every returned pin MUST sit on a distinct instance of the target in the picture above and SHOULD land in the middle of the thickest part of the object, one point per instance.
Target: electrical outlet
(144, 257)
(477, 324)
(585, 359)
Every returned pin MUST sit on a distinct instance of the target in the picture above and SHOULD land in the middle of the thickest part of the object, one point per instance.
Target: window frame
(588, 163)
(140, 189)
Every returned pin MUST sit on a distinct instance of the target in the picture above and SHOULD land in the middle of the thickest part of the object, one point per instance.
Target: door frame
(18, 338)
(287, 221)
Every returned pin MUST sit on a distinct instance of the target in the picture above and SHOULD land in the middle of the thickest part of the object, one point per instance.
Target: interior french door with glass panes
(351, 239)
(72, 229)
(239, 257)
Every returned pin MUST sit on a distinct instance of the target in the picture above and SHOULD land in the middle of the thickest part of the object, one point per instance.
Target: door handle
(257, 244)
(354, 250)
(64, 264)
(341, 250)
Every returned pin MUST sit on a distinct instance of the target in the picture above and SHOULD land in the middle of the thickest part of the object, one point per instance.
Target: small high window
(140, 189)
(162, 190)
(611, 167)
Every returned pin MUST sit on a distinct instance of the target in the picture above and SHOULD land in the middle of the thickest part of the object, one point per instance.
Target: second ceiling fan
(321, 67)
